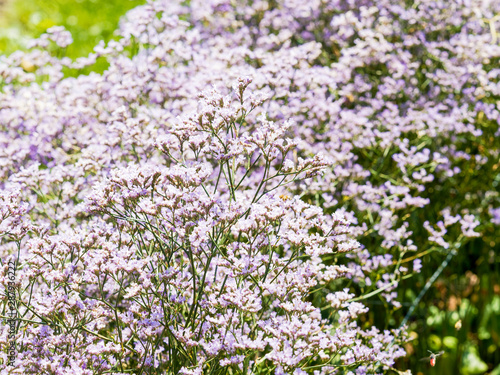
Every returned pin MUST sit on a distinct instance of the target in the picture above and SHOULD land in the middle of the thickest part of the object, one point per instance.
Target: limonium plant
(224, 197)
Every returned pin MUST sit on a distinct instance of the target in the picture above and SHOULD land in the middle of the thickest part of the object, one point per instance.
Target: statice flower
(495, 213)
(57, 34)
(201, 205)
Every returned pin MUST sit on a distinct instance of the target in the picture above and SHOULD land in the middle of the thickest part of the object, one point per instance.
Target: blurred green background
(460, 314)
(89, 21)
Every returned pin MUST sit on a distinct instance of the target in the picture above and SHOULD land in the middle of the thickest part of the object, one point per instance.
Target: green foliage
(472, 363)
(460, 315)
(89, 21)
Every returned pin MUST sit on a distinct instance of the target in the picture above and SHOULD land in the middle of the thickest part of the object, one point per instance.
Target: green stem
(429, 283)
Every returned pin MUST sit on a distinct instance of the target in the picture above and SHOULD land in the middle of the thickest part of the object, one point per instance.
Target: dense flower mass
(243, 175)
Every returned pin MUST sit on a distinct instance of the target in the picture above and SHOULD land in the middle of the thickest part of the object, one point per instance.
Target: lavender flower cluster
(198, 207)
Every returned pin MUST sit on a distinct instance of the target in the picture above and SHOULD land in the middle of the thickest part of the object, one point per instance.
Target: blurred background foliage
(89, 22)
(460, 313)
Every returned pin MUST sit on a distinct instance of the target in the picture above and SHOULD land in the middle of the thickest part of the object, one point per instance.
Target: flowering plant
(196, 260)
(223, 197)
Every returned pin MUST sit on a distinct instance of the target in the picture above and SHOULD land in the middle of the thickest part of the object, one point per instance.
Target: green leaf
(496, 371)
(450, 342)
(472, 363)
